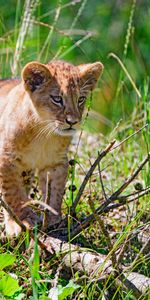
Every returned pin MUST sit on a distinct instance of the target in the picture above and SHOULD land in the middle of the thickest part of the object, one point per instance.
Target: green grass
(84, 32)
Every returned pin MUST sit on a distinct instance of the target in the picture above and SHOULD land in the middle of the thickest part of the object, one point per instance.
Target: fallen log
(94, 265)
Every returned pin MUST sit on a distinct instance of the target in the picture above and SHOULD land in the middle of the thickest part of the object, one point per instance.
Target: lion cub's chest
(41, 154)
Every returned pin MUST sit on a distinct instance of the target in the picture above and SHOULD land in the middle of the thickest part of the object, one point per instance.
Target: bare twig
(101, 181)
(129, 137)
(128, 180)
(134, 194)
(89, 173)
(124, 199)
(40, 203)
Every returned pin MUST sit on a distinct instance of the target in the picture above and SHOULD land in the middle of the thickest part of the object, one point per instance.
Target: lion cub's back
(6, 85)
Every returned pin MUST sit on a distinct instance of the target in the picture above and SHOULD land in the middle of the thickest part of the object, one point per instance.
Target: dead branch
(105, 206)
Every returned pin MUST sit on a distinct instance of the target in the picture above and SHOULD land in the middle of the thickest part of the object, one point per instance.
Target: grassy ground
(128, 225)
(123, 99)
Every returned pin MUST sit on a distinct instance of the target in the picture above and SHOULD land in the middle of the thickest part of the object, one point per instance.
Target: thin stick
(128, 180)
(89, 173)
(124, 200)
(101, 181)
(41, 203)
(135, 193)
(129, 137)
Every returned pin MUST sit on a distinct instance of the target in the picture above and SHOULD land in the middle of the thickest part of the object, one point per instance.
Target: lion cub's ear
(34, 75)
(89, 74)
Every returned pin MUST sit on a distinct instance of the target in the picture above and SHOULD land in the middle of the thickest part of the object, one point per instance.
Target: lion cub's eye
(57, 100)
(81, 100)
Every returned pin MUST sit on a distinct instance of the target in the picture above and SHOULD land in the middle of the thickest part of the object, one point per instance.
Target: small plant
(8, 285)
(62, 292)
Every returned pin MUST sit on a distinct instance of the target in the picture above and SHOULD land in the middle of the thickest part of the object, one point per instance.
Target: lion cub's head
(59, 90)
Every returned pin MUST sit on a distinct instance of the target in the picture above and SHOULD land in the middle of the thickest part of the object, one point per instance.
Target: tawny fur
(35, 131)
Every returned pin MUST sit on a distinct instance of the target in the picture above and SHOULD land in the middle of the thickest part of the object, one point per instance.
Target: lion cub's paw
(12, 228)
(28, 218)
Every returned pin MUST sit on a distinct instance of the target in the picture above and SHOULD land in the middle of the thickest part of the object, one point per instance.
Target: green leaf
(6, 260)
(8, 285)
(2, 273)
(63, 292)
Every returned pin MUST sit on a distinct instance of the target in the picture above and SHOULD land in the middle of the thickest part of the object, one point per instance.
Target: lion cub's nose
(71, 121)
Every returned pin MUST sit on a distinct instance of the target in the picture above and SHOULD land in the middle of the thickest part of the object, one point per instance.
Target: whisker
(43, 131)
(51, 132)
(38, 123)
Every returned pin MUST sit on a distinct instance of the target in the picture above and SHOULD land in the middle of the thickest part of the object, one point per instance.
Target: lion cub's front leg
(57, 178)
(14, 194)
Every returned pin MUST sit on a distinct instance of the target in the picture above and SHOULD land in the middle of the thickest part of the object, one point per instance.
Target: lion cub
(38, 116)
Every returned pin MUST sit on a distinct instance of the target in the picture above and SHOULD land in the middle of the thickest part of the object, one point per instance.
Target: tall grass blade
(29, 8)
